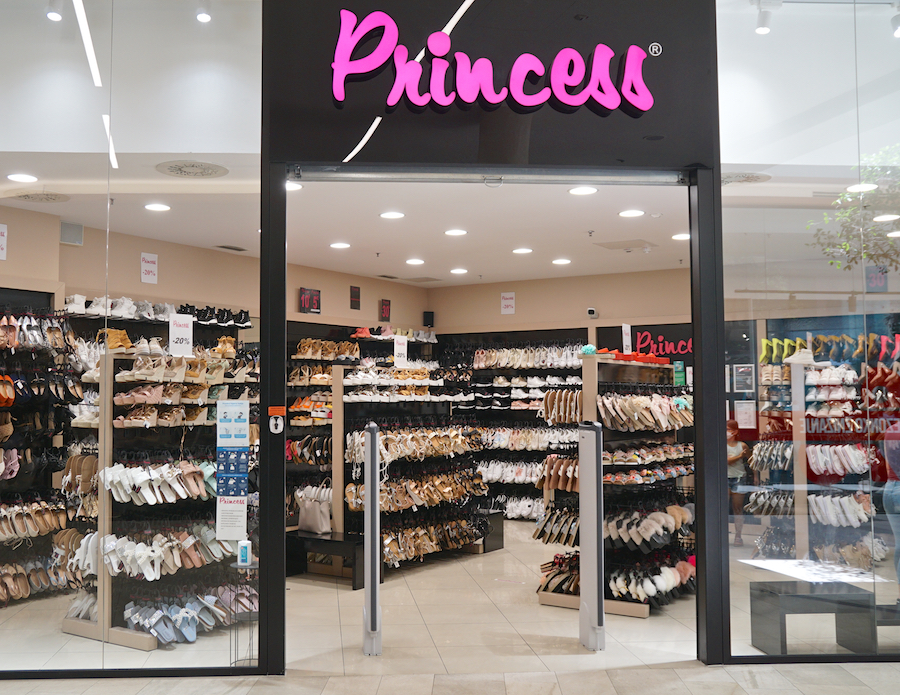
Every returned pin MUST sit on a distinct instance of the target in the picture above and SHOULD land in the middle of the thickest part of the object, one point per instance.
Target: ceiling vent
(229, 247)
(421, 280)
(39, 197)
(627, 244)
(186, 169)
(744, 177)
(388, 277)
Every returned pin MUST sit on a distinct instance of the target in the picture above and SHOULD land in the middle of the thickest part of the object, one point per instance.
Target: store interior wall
(200, 276)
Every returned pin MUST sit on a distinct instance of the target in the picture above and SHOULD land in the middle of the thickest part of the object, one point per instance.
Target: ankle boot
(860, 352)
(765, 355)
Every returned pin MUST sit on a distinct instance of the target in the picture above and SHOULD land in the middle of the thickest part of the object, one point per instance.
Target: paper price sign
(401, 352)
(181, 335)
(507, 302)
(150, 268)
(3, 232)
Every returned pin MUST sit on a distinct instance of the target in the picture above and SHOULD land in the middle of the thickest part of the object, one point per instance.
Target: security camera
(592, 313)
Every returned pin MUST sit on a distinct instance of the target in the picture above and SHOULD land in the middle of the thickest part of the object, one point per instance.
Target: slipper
(185, 619)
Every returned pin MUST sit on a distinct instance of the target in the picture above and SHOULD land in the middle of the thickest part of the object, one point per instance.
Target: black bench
(346, 545)
(853, 609)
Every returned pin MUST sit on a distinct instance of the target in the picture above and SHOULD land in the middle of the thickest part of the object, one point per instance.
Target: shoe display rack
(150, 510)
(510, 377)
(37, 383)
(645, 467)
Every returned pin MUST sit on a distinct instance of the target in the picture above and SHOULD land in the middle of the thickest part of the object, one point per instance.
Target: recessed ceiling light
(203, 14)
(157, 207)
(340, 245)
(415, 261)
(54, 10)
(22, 178)
(862, 187)
(561, 261)
(522, 250)
(582, 190)
(631, 213)
(455, 232)
(893, 234)
(459, 271)
(886, 218)
(392, 215)
(681, 237)
(292, 186)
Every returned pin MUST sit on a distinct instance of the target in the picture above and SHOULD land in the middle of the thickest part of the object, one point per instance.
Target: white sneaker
(75, 304)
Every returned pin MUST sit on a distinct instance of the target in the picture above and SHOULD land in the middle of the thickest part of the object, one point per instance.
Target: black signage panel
(620, 83)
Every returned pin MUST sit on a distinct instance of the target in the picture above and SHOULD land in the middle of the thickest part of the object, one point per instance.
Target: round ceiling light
(561, 261)
(455, 232)
(392, 215)
(340, 245)
(203, 16)
(631, 213)
(582, 190)
(522, 250)
(459, 271)
(681, 237)
(893, 234)
(22, 178)
(886, 218)
(293, 186)
(157, 207)
(415, 261)
(862, 187)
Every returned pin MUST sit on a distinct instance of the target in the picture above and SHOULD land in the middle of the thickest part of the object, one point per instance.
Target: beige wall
(198, 276)
(639, 298)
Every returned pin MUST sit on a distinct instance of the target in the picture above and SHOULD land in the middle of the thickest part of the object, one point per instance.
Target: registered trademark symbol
(655, 49)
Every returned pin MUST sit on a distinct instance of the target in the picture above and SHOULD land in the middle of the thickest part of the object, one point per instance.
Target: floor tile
(759, 678)
(707, 674)
(451, 614)
(118, 686)
(817, 674)
(656, 681)
(652, 653)
(62, 687)
(394, 661)
(818, 689)
(541, 683)
(491, 659)
(399, 615)
(474, 634)
(352, 685)
(470, 684)
(392, 635)
(585, 683)
(316, 662)
(200, 686)
(406, 685)
(312, 615)
(715, 689)
(882, 678)
(614, 656)
(309, 636)
(280, 685)
(463, 599)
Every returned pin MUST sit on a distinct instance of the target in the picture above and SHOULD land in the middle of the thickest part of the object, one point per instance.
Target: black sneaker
(224, 318)
(242, 320)
(189, 309)
(207, 316)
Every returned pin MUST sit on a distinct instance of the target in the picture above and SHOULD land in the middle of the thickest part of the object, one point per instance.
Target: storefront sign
(507, 302)
(181, 335)
(661, 346)
(3, 242)
(232, 468)
(475, 80)
(149, 268)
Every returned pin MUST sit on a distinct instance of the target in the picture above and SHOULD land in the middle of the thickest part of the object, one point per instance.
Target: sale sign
(149, 268)
(181, 335)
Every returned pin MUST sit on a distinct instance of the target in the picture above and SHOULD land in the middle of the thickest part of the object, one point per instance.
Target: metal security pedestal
(372, 542)
(590, 506)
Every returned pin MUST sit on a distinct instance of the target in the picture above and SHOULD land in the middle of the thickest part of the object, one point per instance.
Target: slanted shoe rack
(595, 371)
(103, 629)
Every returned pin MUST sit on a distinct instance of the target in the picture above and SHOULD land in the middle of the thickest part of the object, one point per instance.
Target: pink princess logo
(474, 80)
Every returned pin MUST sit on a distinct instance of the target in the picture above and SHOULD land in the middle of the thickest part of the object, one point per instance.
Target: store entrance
(495, 288)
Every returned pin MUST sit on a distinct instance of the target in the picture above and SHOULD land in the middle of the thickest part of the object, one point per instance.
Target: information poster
(743, 378)
(679, 376)
(232, 467)
(745, 414)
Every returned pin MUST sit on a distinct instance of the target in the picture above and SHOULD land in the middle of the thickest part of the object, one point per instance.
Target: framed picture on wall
(744, 379)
